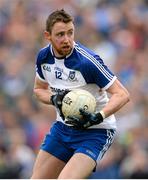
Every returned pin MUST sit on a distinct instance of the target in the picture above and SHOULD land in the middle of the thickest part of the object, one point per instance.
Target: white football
(76, 99)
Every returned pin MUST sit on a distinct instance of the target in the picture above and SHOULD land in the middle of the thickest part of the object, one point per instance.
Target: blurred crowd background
(115, 29)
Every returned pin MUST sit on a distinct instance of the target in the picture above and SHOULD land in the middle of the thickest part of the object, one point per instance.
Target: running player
(72, 147)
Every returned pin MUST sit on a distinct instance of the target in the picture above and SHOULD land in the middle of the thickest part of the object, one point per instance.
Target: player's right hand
(56, 100)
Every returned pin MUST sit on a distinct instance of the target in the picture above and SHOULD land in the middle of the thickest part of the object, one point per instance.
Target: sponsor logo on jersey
(58, 69)
(46, 68)
(56, 90)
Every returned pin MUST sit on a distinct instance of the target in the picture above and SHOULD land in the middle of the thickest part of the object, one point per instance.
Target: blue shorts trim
(63, 141)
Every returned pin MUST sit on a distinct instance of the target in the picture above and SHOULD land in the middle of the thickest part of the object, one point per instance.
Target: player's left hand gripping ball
(57, 99)
(88, 119)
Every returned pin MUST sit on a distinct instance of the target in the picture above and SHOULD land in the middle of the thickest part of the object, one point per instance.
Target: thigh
(47, 166)
(79, 166)
(89, 146)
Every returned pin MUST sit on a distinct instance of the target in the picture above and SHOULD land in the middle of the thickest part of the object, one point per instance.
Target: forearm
(116, 102)
(43, 95)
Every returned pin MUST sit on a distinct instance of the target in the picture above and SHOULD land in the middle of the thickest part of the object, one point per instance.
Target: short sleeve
(38, 68)
(97, 72)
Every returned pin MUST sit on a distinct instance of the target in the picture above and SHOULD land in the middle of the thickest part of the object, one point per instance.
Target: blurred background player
(61, 66)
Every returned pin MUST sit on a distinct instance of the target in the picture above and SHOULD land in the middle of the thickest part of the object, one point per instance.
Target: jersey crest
(72, 75)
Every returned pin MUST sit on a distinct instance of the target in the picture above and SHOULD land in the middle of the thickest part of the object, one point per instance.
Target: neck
(59, 57)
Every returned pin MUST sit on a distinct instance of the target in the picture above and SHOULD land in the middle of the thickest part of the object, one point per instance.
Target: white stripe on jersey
(95, 62)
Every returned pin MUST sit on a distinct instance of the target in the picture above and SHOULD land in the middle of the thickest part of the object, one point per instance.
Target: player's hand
(88, 119)
(56, 100)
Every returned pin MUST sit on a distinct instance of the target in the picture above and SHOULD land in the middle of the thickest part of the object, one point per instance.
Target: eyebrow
(64, 31)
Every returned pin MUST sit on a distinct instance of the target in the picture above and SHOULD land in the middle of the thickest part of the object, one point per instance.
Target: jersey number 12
(58, 74)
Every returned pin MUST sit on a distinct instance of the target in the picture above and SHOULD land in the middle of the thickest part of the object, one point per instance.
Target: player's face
(61, 38)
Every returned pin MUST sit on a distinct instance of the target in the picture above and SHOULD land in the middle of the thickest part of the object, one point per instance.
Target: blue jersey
(82, 68)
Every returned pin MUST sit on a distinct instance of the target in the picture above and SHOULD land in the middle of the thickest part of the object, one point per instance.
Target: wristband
(103, 114)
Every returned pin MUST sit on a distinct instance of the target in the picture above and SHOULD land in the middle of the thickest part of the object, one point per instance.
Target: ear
(47, 35)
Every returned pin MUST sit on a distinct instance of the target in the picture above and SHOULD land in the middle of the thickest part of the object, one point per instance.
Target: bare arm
(119, 97)
(41, 91)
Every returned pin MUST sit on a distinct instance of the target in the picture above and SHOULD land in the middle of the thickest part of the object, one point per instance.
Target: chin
(67, 52)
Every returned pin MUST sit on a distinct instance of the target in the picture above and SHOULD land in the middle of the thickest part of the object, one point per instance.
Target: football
(76, 99)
